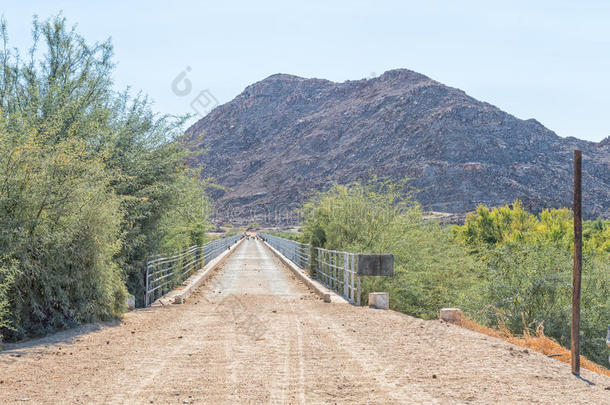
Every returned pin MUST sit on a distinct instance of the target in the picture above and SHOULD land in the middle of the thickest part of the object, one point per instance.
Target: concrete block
(379, 300)
(452, 315)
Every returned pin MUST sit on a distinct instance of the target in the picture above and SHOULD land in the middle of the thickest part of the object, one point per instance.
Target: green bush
(503, 266)
(91, 182)
(60, 234)
(528, 276)
(296, 236)
(430, 271)
(7, 279)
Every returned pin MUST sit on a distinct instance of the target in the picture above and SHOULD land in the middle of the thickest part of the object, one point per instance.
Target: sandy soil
(254, 334)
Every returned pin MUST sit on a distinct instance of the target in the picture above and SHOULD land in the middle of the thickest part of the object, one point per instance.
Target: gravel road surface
(254, 334)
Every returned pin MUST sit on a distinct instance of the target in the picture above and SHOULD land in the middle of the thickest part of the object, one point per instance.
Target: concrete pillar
(452, 315)
(379, 300)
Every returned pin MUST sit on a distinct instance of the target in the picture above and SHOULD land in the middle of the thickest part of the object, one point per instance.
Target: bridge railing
(163, 273)
(335, 269)
(296, 252)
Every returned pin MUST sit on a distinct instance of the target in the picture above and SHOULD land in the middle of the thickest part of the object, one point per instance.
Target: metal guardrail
(296, 252)
(165, 273)
(335, 269)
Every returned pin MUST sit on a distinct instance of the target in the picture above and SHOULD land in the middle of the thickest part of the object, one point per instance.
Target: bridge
(252, 330)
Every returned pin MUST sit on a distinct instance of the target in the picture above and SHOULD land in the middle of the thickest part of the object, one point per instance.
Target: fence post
(353, 279)
(335, 263)
(345, 275)
(575, 338)
(147, 286)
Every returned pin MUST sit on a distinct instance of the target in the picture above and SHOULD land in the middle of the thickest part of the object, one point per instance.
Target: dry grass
(537, 341)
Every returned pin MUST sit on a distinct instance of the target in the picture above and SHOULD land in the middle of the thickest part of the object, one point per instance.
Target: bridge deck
(253, 270)
(255, 335)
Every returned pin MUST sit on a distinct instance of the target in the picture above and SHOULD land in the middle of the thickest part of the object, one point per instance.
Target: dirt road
(254, 334)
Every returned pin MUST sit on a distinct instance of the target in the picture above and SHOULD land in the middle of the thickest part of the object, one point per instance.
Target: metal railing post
(324, 263)
(345, 275)
(147, 288)
(164, 273)
(358, 290)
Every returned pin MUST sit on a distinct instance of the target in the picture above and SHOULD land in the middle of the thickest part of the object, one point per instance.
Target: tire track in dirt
(300, 356)
(254, 334)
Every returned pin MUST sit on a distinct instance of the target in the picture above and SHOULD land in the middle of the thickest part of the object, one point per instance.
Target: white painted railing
(296, 252)
(163, 273)
(335, 269)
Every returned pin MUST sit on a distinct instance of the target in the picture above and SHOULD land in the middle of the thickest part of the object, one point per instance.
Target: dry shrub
(537, 341)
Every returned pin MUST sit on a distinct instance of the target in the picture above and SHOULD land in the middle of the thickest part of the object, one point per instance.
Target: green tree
(379, 217)
(91, 181)
(503, 266)
(528, 276)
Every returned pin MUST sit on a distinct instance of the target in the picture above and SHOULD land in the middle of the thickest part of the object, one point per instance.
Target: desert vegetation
(507, 268)
(91, 181)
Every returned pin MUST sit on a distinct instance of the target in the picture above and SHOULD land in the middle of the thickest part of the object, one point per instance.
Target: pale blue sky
(548, 60)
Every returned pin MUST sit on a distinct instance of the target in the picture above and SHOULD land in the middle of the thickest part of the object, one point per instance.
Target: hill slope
(286, 136)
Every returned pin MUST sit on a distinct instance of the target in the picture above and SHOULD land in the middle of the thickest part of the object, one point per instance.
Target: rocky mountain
(285, 137)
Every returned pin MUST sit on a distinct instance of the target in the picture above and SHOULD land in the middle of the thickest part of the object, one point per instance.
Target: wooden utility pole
(577, 262)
